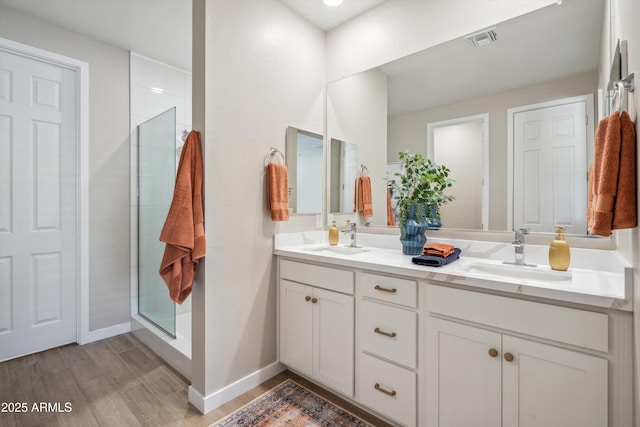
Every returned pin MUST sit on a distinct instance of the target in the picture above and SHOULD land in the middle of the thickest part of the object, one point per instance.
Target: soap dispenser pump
(333, 234)
(559, 255)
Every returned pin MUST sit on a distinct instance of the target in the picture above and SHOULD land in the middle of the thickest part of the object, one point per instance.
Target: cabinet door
(296, 317)
(549, 386)
(463, 375)
(333, 339)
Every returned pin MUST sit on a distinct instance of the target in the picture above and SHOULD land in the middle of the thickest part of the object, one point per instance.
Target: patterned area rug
(291, 405)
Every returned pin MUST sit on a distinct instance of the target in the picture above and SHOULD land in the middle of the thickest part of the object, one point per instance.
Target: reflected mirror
(304, 162)
(547, 55)
(343, 169)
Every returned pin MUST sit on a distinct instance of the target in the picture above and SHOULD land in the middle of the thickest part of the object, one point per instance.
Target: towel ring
(274, 152)
(618, 95)
(363, 170)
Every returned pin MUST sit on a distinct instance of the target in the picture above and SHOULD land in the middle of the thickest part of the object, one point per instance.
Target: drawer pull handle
(493, 352)
(386, 334)
(508, 357)
(380, 288)
(387, 392)
(307, 298)
(314, 300)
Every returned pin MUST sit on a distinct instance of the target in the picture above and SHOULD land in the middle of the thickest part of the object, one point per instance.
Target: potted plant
(419, 191)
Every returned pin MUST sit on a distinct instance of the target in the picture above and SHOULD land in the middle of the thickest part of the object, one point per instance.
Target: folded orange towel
(278, 191)
(183, 230)
(438, 249)
(391, 218)
(612, 181)
(363, 199)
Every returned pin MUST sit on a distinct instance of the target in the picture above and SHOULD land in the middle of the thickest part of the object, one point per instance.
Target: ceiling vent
(483, 38)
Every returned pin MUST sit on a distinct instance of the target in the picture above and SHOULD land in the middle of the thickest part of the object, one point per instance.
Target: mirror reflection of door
(344, 169)
(550, 167)
(459, 144)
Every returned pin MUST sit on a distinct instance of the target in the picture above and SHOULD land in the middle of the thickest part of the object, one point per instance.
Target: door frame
(82, 168)
(484, 118)
(511, 112)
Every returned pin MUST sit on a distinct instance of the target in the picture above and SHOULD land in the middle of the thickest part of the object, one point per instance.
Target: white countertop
(599, 278)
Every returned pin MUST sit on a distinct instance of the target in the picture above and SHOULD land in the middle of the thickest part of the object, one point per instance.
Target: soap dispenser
(333, 234)
(559, 256)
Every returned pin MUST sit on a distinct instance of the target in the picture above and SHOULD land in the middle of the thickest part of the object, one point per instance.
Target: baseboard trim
(210, 402)
(100, 334)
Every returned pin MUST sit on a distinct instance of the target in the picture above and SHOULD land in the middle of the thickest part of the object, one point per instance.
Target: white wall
(624, 26)
(357, 113)
(263, 70)
(401, 27)
(108, 160)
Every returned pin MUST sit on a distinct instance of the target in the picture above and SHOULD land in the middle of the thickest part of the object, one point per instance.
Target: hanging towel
(363, 200)
(183, 230)
(278, 191)
(436, 261)
(391, 217)
(438, 249)
(612, 181)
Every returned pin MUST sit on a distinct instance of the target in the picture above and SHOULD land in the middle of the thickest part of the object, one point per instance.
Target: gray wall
(109, 274)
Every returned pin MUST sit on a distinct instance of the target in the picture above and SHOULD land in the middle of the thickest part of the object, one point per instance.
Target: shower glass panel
(156, 178)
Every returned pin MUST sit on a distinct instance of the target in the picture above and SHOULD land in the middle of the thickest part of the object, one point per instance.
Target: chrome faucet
(518, 245)
(352, 233)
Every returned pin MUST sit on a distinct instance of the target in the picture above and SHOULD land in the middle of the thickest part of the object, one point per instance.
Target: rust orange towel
(183, 230)
(438, 249)
(391, 218)
(612, 181)
(363, 201)
(278, 191)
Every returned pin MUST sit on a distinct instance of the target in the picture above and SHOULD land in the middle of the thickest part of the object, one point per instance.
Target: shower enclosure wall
(160, 113)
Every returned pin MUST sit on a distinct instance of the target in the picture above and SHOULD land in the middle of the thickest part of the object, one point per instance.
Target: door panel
(550, 168)
(38, 205)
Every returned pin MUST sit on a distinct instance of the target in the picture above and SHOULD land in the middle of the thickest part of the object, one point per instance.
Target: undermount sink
(342, 250)
(517, 272)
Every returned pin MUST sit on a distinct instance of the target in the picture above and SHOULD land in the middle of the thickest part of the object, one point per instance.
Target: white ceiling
(553, 42)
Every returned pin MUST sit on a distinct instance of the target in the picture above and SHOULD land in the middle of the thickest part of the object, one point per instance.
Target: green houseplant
(419, 191)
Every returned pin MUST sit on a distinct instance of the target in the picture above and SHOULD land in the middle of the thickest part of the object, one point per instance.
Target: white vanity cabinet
(496, 361)
(316, 317)
(387, 337)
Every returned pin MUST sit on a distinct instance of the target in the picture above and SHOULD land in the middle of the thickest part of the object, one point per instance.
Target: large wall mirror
(548, 56)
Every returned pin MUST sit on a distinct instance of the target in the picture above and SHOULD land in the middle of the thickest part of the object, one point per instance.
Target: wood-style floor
(115, 382)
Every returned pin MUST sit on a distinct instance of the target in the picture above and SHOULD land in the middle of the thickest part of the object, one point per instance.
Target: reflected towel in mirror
(363, 200)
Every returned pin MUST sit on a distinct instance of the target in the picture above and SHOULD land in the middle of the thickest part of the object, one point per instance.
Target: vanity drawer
(390, 289)
(387, 388)
(389, 332)
(332, 279)
(581, 328)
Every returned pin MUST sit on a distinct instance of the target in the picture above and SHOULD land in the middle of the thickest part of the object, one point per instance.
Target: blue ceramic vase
(412, 236)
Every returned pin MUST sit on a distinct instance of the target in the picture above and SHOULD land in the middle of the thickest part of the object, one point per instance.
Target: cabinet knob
(380, 288)
(508, 357)
(493, 352)
(307, 298)
(314, 300)
(382, 390)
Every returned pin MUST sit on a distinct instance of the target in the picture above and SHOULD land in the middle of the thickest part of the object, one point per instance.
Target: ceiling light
(332, 3)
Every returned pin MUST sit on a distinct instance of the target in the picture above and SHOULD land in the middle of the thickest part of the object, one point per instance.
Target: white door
(550, 168)
(463, 375)
(38, 205)
(552, 387)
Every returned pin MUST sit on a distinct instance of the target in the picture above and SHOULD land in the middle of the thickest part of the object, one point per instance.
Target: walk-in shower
(161, 324)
